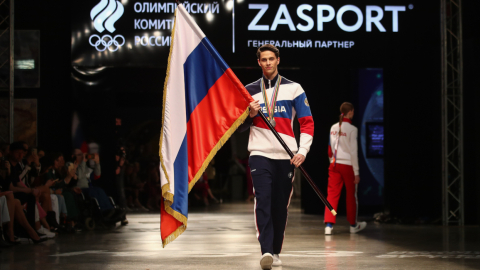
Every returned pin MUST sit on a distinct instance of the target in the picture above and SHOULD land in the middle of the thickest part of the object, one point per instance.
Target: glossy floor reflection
(223, 237)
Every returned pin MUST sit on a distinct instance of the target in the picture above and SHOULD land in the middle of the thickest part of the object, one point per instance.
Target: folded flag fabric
(203, 104)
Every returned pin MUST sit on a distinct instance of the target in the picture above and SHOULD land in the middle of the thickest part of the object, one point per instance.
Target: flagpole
(310, 181)
(290, 153)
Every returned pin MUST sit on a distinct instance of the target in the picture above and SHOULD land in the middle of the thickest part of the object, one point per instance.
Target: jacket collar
(347, 120)
(272, 82)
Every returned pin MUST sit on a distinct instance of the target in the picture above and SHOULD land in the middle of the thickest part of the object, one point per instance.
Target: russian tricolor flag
(203, 104)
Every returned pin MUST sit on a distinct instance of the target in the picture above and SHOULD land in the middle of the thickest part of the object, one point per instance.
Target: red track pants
(337, 176)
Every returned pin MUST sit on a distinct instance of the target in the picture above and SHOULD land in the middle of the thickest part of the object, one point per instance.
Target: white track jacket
(347, 150)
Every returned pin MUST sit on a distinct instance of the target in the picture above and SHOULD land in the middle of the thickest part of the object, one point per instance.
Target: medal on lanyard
(271, 107)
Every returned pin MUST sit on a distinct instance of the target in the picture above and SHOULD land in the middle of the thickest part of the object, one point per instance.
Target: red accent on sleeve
(95, 177)
(330, 153)
(306, 125)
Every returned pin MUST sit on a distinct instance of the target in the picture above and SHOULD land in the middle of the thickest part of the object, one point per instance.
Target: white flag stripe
(175, 126)
(187, 18)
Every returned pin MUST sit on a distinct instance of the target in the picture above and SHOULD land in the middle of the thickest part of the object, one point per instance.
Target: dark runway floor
(223, 237)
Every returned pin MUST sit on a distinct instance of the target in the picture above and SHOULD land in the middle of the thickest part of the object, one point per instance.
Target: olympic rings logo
(106, 41)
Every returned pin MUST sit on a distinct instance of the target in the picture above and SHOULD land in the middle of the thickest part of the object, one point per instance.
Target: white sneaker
(328, 230)
(360, 226)
(266, 261)
(46, 232)
(276, 260)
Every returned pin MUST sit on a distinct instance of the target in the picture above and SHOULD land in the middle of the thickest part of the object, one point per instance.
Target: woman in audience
(64, 186)
(45, 185)
(15, 211)
(25, 195)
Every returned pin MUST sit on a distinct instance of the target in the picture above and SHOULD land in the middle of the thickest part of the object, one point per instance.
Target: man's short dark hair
(268, 47)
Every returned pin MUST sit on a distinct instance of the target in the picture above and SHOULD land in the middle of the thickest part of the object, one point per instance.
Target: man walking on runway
(271, 167)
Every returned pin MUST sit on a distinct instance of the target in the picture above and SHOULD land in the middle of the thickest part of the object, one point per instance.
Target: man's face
(18, 155)
(268, 62)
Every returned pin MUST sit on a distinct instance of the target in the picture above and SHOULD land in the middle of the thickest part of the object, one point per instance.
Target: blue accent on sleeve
(300, 107)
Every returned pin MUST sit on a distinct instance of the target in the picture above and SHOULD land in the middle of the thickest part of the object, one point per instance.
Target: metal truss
(452, 112)
(7, 63)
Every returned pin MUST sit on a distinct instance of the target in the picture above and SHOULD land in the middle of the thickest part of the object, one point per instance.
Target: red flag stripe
(236, 82)
(213, 116)
(168, 223)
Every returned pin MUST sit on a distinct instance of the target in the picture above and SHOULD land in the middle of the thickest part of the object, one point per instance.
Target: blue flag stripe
(218, 59)
(201, 71)
(180, 169)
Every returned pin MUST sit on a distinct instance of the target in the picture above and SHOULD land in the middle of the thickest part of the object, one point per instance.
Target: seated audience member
(20, 178)
(44, 184)
(46, 211)
(13, 183)
(30, 165)
(63, 187)
(84, 172)
(15, 212)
